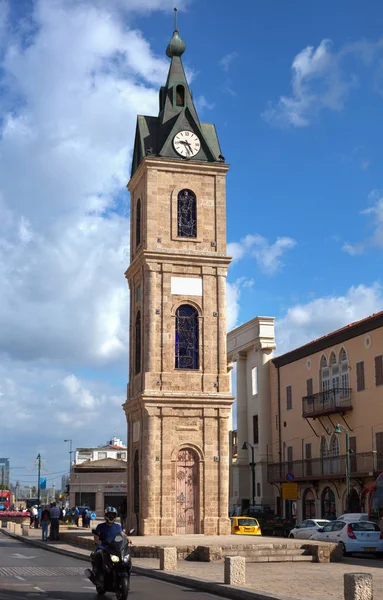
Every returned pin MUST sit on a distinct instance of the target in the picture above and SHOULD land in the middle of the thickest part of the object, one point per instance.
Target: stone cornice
(176, 165)
(164, 256)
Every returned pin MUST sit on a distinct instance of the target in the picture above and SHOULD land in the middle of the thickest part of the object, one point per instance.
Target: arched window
(186, 341)
(180, 95)
(332, 359)
(345, 382)
(325, 379)
(187, 214)
(138, 343)
(308, 505)
(138, 223)
(328, 504)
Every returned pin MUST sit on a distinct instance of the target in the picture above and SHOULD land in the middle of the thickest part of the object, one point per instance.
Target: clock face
(186, 143)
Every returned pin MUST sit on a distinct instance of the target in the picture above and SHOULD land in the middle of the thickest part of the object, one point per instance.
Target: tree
(34, 491)
(3, 486)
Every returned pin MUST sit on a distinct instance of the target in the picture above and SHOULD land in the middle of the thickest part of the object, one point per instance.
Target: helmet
(111, 514)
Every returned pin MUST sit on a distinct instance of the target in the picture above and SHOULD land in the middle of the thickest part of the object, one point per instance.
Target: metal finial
(175, 19)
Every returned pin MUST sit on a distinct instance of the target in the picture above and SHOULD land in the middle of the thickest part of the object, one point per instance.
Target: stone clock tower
(179, 397)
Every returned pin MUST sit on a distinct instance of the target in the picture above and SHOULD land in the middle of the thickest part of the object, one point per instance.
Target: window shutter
(379, 370)
(309, 386)
(360, 384)
(289, 400)
(255, 430)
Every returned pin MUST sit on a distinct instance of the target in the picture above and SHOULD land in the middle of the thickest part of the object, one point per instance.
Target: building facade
(98, 484)
(336, 379)
(4, 472)
(179, 400)
(114, 448)
(250, 346)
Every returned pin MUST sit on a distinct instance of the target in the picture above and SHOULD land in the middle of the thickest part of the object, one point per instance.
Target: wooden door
(187, 492)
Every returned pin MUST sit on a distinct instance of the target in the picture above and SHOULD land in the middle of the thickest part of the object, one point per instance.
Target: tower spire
(176, 46)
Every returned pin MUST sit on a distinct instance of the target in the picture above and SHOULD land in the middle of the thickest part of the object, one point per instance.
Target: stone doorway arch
(187, 492)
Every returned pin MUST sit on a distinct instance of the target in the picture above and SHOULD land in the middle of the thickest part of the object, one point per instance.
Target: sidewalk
(264, 581)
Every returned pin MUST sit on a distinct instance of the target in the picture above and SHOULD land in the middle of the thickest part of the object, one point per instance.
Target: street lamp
(252, 465)
(70, 455)
(338, 429)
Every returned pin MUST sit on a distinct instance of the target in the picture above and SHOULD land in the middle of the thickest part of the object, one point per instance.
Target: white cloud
(319, 82)
(70, 97)
(227, 60)
(233, 294)
(376, 212)
(353, 249)
(268, 255)
(306, 322)
(202, 104)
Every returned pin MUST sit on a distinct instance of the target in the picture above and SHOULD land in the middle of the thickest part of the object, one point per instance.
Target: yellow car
(245, 526)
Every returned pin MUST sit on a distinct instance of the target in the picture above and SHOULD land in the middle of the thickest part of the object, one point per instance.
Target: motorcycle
(117, 567)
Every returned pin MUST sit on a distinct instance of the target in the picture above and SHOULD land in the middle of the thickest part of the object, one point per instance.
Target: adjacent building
(98, 477)
(334, 380)
(322, 399)
(251, 346)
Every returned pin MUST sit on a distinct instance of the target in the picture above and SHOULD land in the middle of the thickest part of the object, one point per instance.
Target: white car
(355, 536)
(307, 528)
(353, 517)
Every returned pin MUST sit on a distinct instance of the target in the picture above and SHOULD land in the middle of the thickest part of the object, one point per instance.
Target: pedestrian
(76, 515)
(87, 518)
(34, 517)
(83, 516)
(55, 521)
(45, 520)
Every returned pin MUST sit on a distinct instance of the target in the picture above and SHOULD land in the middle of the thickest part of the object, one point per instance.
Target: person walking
(45, 520)
(55, 521)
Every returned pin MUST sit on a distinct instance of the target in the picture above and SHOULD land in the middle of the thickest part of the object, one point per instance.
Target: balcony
(332, 467)
(337, 400)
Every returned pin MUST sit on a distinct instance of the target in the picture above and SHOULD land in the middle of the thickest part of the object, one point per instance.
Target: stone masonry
(172, 409)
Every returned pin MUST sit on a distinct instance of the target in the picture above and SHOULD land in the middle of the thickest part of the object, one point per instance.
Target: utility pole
(2, 477)
(38, 479)
(54, 491)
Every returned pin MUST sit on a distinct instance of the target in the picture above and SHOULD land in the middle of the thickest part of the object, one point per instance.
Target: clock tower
(179, 399)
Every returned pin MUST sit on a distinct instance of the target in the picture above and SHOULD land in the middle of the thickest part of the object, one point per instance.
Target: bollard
(235, 570)
(168, 559)
(357, 586)
(25, 530)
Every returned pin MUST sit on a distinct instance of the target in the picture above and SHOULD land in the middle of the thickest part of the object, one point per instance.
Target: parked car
(245, 526)
(307, 528)
(355, 536)
(270, 523)
(353, 517)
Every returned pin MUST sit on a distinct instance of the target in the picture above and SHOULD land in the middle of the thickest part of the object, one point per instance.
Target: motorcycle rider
(104, 532)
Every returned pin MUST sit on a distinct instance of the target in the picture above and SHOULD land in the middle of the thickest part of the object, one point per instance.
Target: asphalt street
(28, 572)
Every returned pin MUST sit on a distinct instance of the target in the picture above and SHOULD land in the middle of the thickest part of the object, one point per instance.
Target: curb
(219, 589)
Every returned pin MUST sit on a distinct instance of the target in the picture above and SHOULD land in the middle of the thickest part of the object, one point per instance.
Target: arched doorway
(187, 509)
(328, 504)
(354, 502)
(308, 505)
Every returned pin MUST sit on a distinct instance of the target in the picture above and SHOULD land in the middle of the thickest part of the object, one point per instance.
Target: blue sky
(295, 90)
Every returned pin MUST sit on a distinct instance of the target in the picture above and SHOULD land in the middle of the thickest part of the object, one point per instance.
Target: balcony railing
(337, 400)
(332, 467)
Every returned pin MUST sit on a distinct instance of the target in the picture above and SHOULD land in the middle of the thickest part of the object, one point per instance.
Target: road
(28, 572)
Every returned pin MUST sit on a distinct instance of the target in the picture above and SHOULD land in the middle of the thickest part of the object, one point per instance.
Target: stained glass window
(187, 214)
(138, 342)
(186, 350)
(138, 223)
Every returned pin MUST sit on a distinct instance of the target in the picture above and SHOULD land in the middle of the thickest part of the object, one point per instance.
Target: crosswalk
(29, 571)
